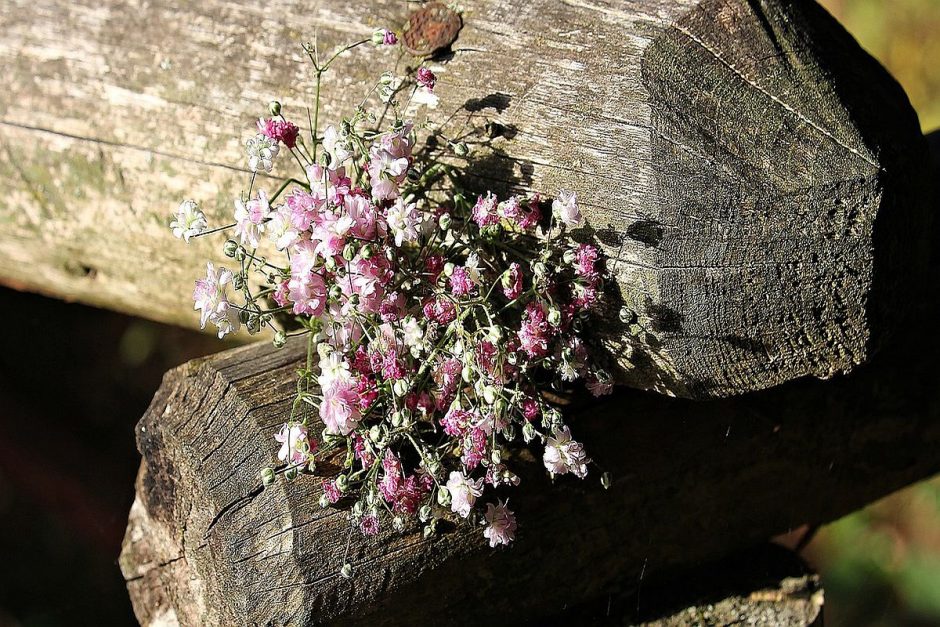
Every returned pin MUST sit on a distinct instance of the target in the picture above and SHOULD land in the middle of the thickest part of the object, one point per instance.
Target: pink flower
(331, 491)
(484, 211)
(460, 282)
(384, 37)
(535, 331)
(280, 295)
(500, 524)
(339, 408)
(530, 409)
(441, 311)
(303, 208)
(361, 452)
(369, 525)
(296, 447)
(565, 208)
(563, 455)
(463, 492)
(512, 281)
(426, 78)
(530, 219)
(585, 260)
(308, 293)
(391, 366)
(599, 388)
(457, 422)
(279, 130)
(474, 448)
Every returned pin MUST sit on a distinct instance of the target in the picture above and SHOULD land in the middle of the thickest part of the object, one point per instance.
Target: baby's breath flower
(189, 221)
(261, 151)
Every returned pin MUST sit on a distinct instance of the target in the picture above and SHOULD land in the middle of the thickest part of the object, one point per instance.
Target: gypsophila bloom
(279, 130)
(426, 78)
(211, 297)
(435, 317)
(296, 446)
(565, 208)
(189, 221)
(500, 524)
(564, 455)
(463, 492)
(261, 151)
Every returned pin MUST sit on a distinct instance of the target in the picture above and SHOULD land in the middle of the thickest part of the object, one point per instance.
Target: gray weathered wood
(755, 177)
(691, 481)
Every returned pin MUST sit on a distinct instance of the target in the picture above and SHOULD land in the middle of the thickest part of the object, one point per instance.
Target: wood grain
(692, 481)
(755, 178)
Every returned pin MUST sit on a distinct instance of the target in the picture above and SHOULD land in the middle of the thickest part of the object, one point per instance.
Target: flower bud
(627, 315)
(444, 221)
(460, 149)
(528, 432)
(489, 394)
(229, 248)
(291, 473)
(346, 571)
(342, 483)
(466, 374)
(569, 257)
(330, 264)
(400, 387)
(605, 480)
(240, 253)
(280, 339)
(238, 280)
(443, 496)
(349, 252)
(267, 476)
(398, 523)
(335, 292)
(449, 268)
(324, 502)
(396, 419)
(390, 255)
(540, 270)
(424, 513)
(554, 316)
(366, 251)
(274, 107)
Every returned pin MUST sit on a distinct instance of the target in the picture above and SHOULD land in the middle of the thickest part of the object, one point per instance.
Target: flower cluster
(434, 319)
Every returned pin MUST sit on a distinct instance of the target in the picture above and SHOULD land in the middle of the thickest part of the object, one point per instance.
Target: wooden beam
(691, 481)
(756, 179)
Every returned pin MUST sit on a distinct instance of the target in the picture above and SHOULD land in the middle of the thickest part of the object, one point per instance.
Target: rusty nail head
(430, 28)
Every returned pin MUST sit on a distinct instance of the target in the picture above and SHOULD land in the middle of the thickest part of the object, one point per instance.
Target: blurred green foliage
(905, 36)
(881, 566)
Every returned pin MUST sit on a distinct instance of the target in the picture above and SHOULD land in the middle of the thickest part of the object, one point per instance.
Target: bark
(755, 178)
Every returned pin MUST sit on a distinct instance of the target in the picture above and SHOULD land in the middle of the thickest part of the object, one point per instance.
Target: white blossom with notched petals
(189, 221)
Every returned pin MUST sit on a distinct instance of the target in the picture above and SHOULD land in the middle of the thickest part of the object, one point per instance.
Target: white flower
(281, 229)
(295, 444)
(463, 492)
(333, 367)
(250, 219)
(565, 208)
(338, 147)
(500, 524)
(189, 222)
(472, 266)
(403, 221)
(211, 296)
(563, 455)
(261, 152)
(412, 334)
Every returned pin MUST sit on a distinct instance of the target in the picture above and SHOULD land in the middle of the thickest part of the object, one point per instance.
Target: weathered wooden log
(691, 481)
(754, 176)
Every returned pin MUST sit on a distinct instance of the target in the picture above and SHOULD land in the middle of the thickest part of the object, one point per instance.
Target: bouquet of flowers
(434, 320)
